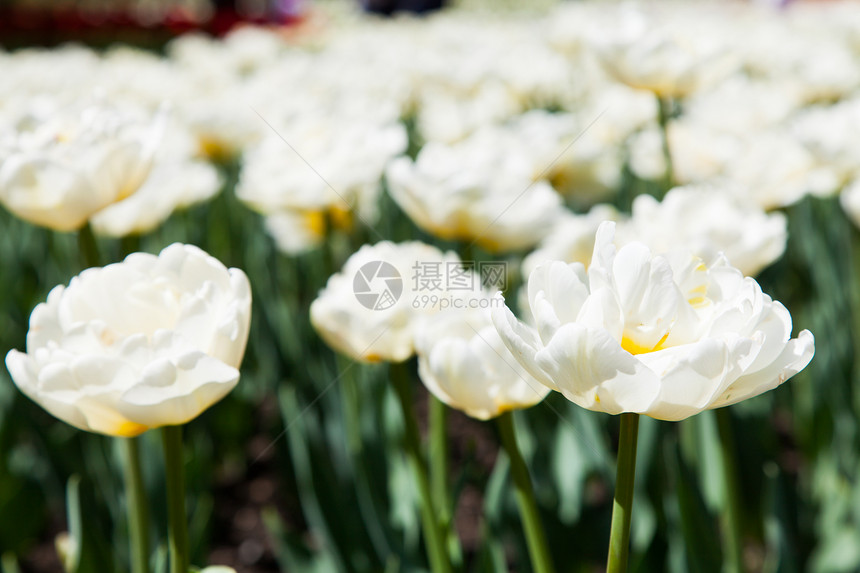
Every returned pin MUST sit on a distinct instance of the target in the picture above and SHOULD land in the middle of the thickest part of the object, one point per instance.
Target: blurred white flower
(771, 167)
(503, 68)
(370, 310)
(479, 190)
(333, 165)
(295, 231)
(801, 50)
(776, 170)
(740, 105)
(170, 186)
(671, 54)
(446, 117)
(646, 158)
(850, 201)
(571, 240)
(666, 337)
(141, 77)
(707, 221)
(829, 134)
(579, 154)
(58, 171)
(148, 342)
(66, 72)
(699, 153)
(177, 180)
(222, 119)
(464, 363)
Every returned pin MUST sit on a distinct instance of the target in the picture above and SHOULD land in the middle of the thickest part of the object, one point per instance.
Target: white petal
(794, 358)
(691, 377)
(522, 341)
(591, 369)
(194, 386)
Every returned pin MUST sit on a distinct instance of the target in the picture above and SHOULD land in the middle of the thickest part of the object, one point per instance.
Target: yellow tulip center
(634, 347)
(315, 223)
(129, 429)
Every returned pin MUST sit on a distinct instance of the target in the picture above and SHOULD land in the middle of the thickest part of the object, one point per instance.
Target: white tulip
(60, 171)
(169, 186)
(319, 163)
(850, 201)
(464, 363)
(792, 170)
(666, 337)
(481, 190)
(740, 105)
(369, 311)
(669, 54)
(702, 154)
(829, 134)
(708, 221)
(148, 342)
(571, 240)
(177, 179)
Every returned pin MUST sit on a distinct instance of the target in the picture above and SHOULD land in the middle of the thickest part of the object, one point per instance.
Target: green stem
(138, 518)
(352, 419)
(538, 549)
(664, 113)
(88, 247)
(433, 535)
(730, 518)
(9, 563)
(438, 449)
(622, 506)
(129, 244)
(439, 452)
(174, 469)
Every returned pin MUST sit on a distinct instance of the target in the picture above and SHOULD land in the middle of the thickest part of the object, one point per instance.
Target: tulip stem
(174, 469)
(731, 515)
(352, 419)
(433, 534)
(88, 247)
(535, 537)
(438, 452)
(622, 506)
(138, 518)
(664, 113)
(438, 455)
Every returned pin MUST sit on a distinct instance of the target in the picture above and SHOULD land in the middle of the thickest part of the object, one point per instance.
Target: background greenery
(307, 449)
(301, 468)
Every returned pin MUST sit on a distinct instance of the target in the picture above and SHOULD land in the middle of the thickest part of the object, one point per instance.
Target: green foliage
(329, 433)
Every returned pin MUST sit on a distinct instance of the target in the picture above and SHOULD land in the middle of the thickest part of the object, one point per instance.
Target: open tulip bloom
(463, 363)
(76, 162)
(663, 335)
(150, 342)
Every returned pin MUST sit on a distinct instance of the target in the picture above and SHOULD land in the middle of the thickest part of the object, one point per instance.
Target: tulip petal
(175, 393)
(692, 375)
(591, 369)
(556, 293)
(23, 371)
(522, 341)
(794, 358)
